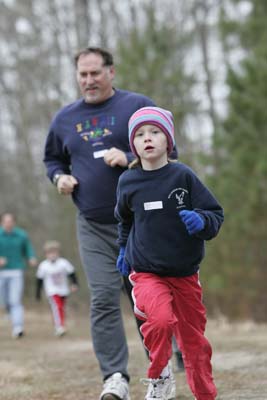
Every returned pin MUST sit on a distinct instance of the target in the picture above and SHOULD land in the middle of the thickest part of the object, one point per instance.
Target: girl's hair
(52, 245)
(137, 162)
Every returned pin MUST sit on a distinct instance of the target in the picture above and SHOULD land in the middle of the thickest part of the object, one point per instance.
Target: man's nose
(89, 79)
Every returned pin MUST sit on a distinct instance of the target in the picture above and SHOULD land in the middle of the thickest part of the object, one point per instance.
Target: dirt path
(42, 367)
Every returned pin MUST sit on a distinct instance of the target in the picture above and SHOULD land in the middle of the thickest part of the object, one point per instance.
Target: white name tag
(100, 153)
(153, 205)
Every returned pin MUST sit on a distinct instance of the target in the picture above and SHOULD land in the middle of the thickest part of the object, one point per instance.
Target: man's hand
(114, 157)
(66, 184)
(32, 262)
(3, 261)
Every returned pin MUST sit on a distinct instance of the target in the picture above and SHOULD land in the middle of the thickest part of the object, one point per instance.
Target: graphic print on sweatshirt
(178, 198)
(180, 195)
(96, 128)
(58, 278)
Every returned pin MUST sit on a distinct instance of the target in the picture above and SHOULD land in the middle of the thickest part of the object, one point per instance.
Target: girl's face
(151, 146)
(52, 254)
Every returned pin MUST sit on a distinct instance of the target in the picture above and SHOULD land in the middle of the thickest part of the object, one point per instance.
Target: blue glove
(122, 266)
(194, 223)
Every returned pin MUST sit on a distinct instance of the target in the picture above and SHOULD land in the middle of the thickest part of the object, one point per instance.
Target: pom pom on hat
(157, 116)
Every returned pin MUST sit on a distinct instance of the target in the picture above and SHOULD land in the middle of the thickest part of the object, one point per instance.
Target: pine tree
(151, 60)
(242, 181)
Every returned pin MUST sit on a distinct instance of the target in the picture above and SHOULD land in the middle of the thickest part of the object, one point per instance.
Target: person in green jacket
(16, 251)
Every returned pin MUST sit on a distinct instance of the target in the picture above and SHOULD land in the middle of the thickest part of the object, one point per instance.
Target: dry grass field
(43, 367)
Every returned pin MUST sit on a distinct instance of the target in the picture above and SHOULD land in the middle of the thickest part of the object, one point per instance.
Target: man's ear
(112, 71)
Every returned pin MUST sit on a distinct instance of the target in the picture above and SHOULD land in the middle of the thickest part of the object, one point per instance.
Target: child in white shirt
(54, 272)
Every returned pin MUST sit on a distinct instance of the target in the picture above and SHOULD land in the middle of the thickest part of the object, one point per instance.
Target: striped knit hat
(159, 117)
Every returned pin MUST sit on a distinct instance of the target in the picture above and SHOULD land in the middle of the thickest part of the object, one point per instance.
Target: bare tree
(201, 10)
(83, 23)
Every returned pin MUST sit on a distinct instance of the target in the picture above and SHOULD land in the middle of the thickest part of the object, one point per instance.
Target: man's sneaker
(17, 333)
(115, 388)
(159, 388)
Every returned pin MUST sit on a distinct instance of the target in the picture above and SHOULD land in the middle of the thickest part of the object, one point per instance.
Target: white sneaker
(159, 388)
(172, 394)
(115, 388)
(17, 333)
(60, 331)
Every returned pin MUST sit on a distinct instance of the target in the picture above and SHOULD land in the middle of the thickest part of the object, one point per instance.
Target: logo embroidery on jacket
(179, 194)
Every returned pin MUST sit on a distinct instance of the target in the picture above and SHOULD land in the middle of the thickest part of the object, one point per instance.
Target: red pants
(173, 306)
(57, 304)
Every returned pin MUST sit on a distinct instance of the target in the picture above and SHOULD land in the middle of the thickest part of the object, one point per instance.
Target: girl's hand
(193, 221)
(121, 265)
(73, 288)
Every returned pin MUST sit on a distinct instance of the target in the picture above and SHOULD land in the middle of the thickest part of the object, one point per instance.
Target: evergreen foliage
(151, 60)
(238, 281)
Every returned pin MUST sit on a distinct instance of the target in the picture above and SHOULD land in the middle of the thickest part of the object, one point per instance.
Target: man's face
(8, 222)
(94, 79)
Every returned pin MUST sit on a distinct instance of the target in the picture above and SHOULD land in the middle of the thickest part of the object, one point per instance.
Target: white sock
(165, 372)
